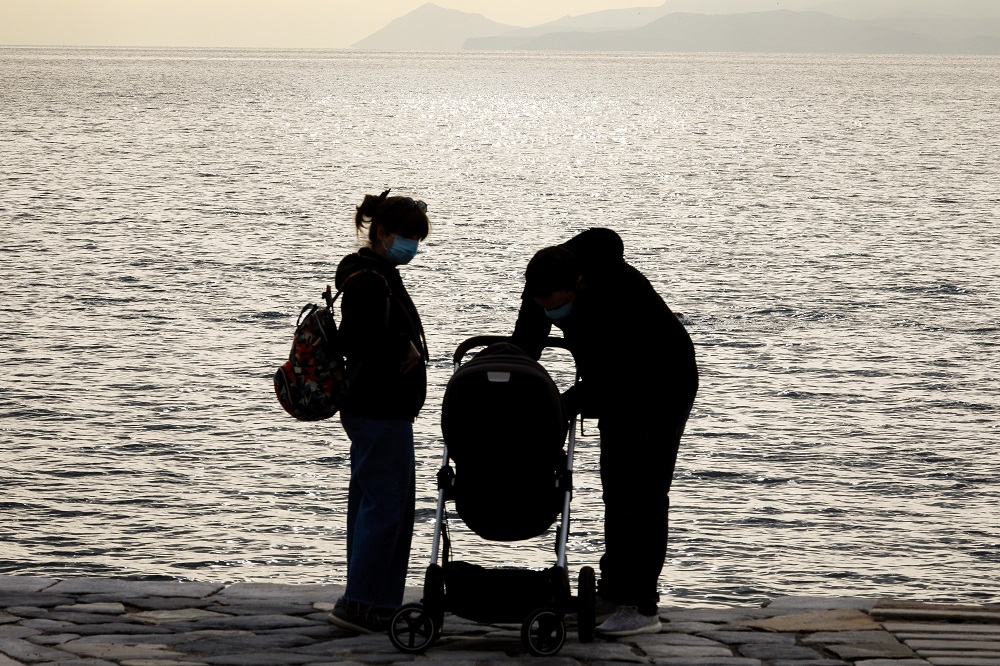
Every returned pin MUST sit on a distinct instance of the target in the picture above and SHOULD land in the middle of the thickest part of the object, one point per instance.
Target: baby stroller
(504, 429)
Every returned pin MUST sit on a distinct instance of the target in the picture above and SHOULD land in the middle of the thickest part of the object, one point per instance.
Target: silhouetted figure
(387, 366)
(639, 379)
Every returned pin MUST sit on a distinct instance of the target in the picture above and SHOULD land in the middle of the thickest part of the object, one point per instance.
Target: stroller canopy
(504, 427)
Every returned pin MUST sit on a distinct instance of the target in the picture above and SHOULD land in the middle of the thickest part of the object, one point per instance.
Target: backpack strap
(307, 310)
(330, 299)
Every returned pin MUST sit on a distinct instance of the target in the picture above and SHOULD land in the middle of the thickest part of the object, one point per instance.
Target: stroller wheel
(586, 605)
(543, 632)
(434, 595)
(411, 629)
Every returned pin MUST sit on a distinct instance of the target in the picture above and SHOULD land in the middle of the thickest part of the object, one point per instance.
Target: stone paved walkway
(103, 622)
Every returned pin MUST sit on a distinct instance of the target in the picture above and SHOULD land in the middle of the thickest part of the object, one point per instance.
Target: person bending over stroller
(638, 377)
(386, 362)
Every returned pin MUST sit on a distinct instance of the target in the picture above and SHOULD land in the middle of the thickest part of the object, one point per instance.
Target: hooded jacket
(378, 323)
(632, 353)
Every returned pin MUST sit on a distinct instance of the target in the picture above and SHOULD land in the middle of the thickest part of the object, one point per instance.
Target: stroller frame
(414, 627)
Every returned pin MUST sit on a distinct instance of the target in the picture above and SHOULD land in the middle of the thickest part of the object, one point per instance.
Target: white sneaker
(628, 621)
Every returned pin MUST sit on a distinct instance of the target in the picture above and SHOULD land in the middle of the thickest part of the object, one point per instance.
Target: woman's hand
(413, 358)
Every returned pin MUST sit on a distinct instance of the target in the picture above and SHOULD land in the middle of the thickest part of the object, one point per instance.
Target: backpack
(312, 383)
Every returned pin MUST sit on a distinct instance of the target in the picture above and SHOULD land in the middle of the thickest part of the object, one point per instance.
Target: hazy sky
(274, 23)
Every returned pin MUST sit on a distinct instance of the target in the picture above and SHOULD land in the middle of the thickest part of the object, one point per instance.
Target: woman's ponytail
(395, 214)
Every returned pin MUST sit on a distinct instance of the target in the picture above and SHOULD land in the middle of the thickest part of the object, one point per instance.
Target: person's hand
(413, 359)
(569, 403)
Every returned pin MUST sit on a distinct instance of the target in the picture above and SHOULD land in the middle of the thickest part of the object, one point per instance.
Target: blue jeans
(380, 504)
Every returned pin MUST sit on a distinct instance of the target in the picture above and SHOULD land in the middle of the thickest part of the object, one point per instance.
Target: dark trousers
(380, 505)
(637, 466)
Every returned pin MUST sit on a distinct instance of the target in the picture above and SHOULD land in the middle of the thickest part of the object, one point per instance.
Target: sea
(825, 225)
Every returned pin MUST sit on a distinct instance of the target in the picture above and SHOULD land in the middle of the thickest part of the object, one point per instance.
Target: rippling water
(828, 225)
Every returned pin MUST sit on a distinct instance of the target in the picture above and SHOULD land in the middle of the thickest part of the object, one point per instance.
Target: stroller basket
(513, 593)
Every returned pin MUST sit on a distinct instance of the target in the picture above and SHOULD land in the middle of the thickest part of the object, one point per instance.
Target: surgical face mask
(402, 250)
(560, 312)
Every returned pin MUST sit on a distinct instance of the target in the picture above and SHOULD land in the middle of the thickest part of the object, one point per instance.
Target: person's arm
(531, 329)
(577, 400)
(364, 308)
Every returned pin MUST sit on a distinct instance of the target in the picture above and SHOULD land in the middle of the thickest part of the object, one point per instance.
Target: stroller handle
(487, 340)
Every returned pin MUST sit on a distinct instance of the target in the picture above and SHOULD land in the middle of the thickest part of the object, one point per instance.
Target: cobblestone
(114, 622)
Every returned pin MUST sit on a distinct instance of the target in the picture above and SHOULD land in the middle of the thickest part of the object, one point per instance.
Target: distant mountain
(768, 32)
(873, 9)
(608, 19)
(977, 46)
(946, 28)
(853, 9)
(431, 28)
(844, 26)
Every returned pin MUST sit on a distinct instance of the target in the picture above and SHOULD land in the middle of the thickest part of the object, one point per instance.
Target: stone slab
(48, 625)
(40, 600)
(15, 631)
(118, 628)
(832, 637)
(472, 658)
(323, 630)
(663, 651)
(822, 603)
(103, 608)
(708, 661)
(135, 639)
(941, 644)
(252, 622)
(845, 619)
(118, 652)
(943, 637)
(902, 603)
(672, 638)
(690, 627)
(77, 617)
(261, 607)
(135, 588)
(769, 652)
(149, 603)
(160, 662)
(23, 584)
(259, 659)
(944, 627)
(52, 639)
(715, 616)
(745, 637)
(927, 654)
(963, 661)
(21, 650)
(241, 644)
(931, 613)
(306, 592)
(856, 651)
(600, 651)
(179, 615)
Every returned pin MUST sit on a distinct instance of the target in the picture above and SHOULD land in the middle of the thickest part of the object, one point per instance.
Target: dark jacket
(378, 323)
(634, 357)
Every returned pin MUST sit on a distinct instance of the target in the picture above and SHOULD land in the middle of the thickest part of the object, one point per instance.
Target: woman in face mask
(386, 364)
